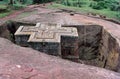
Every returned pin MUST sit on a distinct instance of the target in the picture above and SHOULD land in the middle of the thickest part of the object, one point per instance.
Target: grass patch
(18, 6)
(85, 9)
(4, 11)
(3, 7)
(5, 14)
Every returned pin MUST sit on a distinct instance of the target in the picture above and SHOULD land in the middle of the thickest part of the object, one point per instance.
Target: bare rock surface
(45, 15)
(25, 63)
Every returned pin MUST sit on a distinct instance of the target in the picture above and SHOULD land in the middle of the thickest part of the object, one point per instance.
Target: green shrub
(17, 6)
(118, 15)
(28, 2)
(98, 5)
(4, 8)
(115, 7)
(74, 3)
(98, 0)
(3, 14)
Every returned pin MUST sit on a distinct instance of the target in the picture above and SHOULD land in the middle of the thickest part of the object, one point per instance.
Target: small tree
(68, 3)
(11, 2)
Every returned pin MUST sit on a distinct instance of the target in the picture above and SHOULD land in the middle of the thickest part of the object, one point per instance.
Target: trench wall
(109, 52)
(96, 46)
(88, 43)
(4, 32)
(8, 29)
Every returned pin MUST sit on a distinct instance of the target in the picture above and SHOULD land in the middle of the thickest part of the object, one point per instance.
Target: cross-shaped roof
(46, 32)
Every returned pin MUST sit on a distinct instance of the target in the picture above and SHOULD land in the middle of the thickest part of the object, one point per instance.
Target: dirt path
(16, 13)
(12, 15)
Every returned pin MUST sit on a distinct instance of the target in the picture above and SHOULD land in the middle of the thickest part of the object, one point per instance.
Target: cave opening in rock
(96, 46)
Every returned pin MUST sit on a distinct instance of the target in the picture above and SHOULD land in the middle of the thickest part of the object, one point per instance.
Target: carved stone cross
(48, 38)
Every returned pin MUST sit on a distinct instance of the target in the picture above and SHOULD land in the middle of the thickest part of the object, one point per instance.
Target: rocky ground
(41, 14)
(25, 63)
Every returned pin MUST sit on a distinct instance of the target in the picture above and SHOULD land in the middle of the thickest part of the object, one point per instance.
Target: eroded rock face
(109, 51)
(49, 16)
(89, 40)
(96, 46)
(24, 63)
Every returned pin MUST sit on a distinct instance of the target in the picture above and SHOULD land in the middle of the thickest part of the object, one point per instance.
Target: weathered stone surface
(109, 52)
(24, 63)
(98, 47)
(89, 40)
(50, 39)
(44, 15)
(95, 45)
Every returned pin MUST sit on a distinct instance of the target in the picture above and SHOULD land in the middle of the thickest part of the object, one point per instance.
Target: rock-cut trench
(97, 47)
